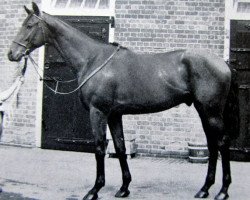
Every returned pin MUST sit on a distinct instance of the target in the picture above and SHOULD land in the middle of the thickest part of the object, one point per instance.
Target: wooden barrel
(198, 153)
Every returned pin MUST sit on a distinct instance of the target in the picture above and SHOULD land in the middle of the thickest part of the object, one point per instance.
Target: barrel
(198, 153)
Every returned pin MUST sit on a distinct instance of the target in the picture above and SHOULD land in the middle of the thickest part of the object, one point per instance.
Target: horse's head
(30, 36)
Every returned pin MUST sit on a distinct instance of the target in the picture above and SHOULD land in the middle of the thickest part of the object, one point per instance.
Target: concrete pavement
(31, 174)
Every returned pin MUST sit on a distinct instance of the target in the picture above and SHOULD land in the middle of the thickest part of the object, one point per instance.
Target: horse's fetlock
(100, 182)
(210, 182)
(227, 180)
(211, 178)
(127, 177)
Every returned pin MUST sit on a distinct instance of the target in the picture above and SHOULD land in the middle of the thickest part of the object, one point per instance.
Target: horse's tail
(231, 112)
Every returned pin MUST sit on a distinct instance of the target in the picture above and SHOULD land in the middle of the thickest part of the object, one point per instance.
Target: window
(80, 7)
(84, 4)
(241, 9)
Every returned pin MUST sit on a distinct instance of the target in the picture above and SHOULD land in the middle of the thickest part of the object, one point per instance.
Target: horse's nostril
(10, 56)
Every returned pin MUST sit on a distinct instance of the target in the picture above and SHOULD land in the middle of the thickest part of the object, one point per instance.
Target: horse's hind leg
(213, 155)
(116, 129)
(224, 143)
(214, 129)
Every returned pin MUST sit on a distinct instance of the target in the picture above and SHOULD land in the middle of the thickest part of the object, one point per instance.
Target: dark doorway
(65, 123)
(240, 59)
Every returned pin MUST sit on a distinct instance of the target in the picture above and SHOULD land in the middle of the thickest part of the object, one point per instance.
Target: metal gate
(65, 123)
(240, 58)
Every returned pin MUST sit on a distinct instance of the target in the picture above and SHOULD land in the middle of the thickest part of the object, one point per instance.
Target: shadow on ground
(13, 196)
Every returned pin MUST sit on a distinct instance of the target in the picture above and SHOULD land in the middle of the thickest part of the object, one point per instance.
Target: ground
(31, 174)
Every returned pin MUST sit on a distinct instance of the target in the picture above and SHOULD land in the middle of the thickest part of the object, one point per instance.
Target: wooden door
(240, 59)
(65, 123)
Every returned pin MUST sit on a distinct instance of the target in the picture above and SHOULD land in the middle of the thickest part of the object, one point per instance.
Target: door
(240, 59)
(65, 122)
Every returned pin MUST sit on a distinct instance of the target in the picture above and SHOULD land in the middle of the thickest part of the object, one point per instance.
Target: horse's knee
(101, 146)
(100, 151)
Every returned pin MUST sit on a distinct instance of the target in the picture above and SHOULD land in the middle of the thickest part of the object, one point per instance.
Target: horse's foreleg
(98, 123)
(224, 144)
(115, 125)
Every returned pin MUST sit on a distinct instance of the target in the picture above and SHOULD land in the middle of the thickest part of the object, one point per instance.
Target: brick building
(145, 27)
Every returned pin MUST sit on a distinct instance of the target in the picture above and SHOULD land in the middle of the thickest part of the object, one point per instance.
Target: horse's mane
(99, 41)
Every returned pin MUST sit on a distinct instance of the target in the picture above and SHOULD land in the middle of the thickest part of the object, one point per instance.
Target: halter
(26, 46)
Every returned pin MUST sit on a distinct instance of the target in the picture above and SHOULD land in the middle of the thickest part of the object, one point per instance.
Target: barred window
(88, 4)
(243, 7)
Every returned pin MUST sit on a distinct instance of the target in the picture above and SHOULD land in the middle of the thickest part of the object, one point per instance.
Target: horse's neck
(75, 47)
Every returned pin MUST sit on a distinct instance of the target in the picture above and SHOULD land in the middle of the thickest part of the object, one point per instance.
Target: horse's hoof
(122, 193)
(90, 196)
(221, 196)
(201, 194)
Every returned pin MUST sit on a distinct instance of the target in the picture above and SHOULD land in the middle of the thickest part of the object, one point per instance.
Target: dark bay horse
(129, 83)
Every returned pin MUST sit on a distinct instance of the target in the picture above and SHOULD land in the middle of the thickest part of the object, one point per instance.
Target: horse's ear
(28, 11)
(36, 9)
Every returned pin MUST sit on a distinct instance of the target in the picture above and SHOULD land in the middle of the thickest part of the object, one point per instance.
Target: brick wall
(19, 127)
(159, 26)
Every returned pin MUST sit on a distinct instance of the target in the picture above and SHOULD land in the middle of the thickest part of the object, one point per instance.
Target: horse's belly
(151, 102)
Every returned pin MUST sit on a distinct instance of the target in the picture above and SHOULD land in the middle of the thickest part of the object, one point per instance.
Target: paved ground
(31, 174)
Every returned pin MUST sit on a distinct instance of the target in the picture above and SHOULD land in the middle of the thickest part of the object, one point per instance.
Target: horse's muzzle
(14, 57)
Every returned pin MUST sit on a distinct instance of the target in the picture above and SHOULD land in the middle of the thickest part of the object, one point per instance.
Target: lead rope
(83, 82)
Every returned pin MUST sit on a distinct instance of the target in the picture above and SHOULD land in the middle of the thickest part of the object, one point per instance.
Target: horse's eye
(29, 26)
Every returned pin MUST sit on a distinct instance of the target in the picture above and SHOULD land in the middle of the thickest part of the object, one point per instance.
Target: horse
(115, 81)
